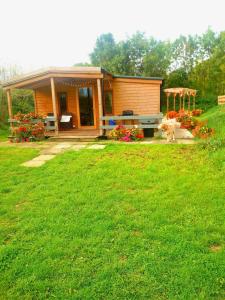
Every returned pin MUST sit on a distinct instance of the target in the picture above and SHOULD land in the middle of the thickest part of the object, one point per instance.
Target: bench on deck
(143, 121)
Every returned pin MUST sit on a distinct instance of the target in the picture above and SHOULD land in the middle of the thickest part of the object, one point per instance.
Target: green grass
(126, 222)
(4, 132)
(216, 119)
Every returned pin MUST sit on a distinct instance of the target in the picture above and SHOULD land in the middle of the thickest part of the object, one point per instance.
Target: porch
(77, 92)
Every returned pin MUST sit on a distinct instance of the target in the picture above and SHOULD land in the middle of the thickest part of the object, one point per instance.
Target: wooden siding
(43, 99)
(221, 100)
(141, 96)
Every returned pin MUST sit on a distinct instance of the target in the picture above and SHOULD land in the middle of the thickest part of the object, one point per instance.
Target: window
(63, 103)
(86, 107)
(108, 109)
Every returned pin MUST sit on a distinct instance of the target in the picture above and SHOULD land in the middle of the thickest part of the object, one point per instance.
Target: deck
(75, 134)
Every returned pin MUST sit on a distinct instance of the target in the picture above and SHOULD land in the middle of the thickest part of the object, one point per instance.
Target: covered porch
(75, 93)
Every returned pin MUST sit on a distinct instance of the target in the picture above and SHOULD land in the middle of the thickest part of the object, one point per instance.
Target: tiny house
(87, 97)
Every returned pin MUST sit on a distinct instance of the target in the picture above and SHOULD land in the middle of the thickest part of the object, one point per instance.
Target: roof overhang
(41, 77)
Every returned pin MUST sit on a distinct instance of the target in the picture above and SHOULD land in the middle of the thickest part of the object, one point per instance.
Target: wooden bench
(154, 121)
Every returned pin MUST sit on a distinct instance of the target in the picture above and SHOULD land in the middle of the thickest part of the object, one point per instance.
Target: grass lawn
(126, 222)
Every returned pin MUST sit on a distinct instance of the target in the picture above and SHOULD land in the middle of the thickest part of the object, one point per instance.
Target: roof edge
(52, 70)
(137, 77)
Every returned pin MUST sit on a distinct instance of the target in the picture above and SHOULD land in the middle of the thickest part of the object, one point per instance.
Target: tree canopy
(190, 61)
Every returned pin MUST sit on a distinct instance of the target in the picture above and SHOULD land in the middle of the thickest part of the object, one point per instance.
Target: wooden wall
(140, 95)
(221, 100)
(43, 100)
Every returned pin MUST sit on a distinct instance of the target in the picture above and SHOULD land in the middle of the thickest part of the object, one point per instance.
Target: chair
(66, 121)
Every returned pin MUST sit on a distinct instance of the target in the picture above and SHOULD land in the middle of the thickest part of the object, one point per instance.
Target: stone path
(51, 152)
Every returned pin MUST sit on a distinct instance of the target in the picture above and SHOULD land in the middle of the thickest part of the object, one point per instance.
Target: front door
(86, 107)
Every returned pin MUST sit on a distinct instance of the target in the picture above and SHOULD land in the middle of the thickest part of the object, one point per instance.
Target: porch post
(54, 104)
(9, 100)
(100, 108)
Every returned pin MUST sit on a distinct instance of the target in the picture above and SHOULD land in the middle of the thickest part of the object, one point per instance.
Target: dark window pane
(63, 103)
(108, 102)
(86, 107)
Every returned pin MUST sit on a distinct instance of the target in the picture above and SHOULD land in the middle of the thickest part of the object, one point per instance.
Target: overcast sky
(40, 33)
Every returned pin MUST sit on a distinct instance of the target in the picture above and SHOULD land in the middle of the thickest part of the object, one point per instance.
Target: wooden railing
(142, 121)
(35, 121)
(221, 100)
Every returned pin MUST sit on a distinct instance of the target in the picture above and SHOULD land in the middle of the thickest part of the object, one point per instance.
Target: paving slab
(63, 146)
(96, 146)
(43, 157)
(78, 147)
(181, 133)
(33, 163)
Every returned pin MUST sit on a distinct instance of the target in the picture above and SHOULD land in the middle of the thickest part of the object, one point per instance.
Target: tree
(104, 52)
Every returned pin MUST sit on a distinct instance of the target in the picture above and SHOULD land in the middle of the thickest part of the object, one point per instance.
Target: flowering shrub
(26, 118)
(172, 114)
(27, 130)
(187, 122)
(203, 131)
(196, 112)
(121, 133)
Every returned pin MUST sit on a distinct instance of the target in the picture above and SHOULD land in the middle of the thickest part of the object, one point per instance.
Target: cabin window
(63, 103)
(86, 106)
(108, 105)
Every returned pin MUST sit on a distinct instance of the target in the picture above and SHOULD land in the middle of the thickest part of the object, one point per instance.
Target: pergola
(182, 94)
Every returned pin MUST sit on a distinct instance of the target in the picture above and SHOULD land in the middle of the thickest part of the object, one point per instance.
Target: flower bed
(187, 120)
(121, 133)
(30, 127)
(203, 131)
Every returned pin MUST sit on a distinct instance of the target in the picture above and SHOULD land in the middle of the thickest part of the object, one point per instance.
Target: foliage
(212, 144)
(121, 133)
(203, 131)
(24, 118)
(196, 112)
(30, 127)
(126, 222)
(190, 61)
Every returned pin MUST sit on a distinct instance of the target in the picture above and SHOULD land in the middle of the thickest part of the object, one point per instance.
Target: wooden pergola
(182, 94)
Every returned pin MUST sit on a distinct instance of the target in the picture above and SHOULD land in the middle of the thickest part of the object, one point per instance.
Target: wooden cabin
(91, 95)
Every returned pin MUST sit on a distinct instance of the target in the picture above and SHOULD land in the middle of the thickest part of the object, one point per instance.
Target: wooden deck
(74, 134)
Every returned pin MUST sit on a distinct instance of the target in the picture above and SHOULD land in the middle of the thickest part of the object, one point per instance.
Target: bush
(203, 131)
(212, 144)
(121, 133)
(30, 127)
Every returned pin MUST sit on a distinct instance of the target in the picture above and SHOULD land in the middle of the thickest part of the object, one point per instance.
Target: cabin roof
(137, 77)
(27, 80)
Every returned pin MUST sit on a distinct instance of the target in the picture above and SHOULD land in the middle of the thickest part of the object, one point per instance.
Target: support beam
(180, 101)
(35, 102)
(189, 103)
(9, 100)
(54, 104)
(100, 106)
(194, 102)
(174, 101)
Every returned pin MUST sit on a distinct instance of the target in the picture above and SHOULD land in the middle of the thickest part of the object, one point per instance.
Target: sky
(41, 33)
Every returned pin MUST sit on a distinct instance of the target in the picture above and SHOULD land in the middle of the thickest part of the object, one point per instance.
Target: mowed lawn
(126, 222)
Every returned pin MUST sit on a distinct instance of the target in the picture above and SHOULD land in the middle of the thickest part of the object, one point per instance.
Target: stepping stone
(181, 133)
(33, 163)
(96, 146)
(62, 146)
(78, 147)
(43, 157)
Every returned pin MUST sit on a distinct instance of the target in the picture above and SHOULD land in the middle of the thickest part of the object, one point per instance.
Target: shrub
(121, 133)
(172, 114)
(212, 144)
(29, 128)
(203, 131)
(197, 112)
